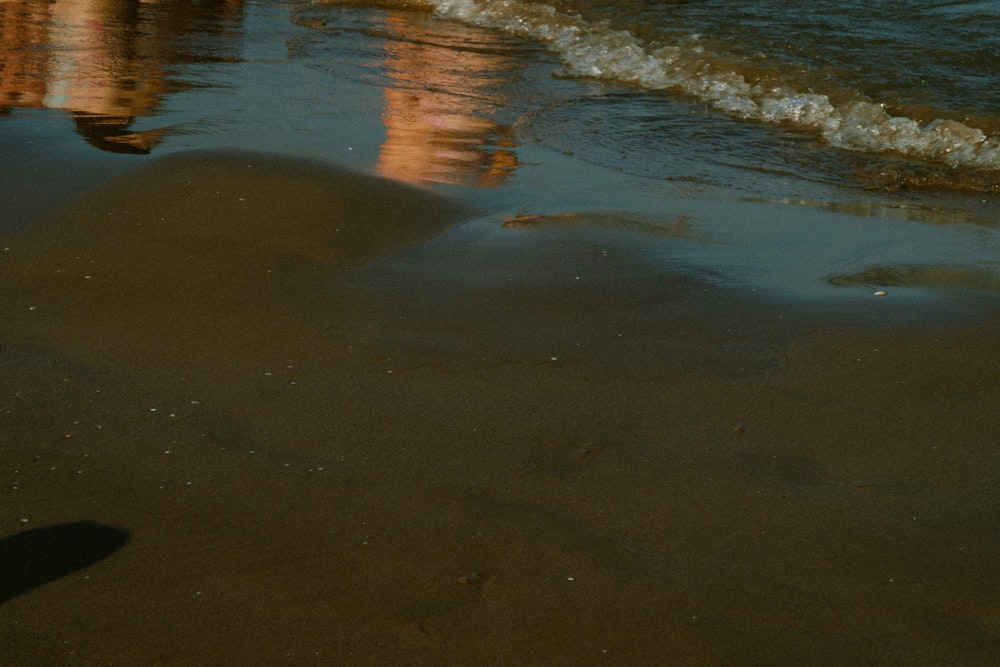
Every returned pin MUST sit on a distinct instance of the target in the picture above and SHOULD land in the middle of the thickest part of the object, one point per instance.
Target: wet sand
(335, 433)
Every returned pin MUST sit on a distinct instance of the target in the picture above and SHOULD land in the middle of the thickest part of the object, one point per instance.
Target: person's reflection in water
(105, 61)
(435, 128)
(104, 69)
(113, 134)
(23, 26)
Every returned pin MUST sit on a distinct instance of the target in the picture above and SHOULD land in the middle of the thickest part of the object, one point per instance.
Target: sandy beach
(352, 334)
(352, 438)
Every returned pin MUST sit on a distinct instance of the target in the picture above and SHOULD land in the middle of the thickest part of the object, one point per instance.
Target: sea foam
(597, 50)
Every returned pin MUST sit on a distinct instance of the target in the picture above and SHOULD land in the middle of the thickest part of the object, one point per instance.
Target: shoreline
(351, 447)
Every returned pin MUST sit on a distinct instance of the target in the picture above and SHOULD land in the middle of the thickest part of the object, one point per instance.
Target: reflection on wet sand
(435, 110)
(106, 62)
(900, 210)
(985, 278)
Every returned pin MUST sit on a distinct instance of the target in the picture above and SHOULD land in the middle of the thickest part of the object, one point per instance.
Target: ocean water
(912, 78)
(818, 148)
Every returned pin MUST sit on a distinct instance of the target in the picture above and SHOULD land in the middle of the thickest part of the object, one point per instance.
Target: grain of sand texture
(317, 429)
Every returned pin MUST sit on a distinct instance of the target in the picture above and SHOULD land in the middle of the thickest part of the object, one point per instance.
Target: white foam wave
(597, 50)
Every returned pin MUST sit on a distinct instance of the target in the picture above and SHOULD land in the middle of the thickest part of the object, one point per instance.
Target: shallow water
(800, 147)
(897, 78)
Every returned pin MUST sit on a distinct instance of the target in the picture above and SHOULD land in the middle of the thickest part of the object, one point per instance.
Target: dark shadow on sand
(35, 557)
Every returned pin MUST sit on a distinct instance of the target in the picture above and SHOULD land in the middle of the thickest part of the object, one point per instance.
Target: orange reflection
(106, 61)
(436, 131)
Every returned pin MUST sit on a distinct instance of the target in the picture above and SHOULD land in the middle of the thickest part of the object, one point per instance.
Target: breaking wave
(844, 120)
